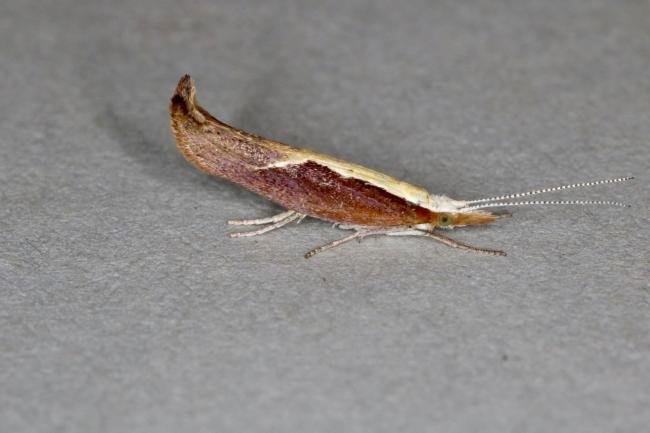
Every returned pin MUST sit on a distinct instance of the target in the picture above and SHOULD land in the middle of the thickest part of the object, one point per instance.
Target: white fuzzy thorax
(442, 203)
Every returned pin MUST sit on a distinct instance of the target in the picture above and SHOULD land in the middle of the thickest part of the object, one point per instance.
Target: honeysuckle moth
(309, 183)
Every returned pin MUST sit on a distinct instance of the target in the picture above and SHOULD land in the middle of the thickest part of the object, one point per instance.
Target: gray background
(125, 307)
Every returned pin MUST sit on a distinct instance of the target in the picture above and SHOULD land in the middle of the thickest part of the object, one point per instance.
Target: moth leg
(449, 242)
(287, 219)
(261, 221)
(359, 234)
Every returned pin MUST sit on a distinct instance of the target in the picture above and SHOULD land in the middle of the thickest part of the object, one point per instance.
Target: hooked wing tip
(185, 86)
(184, 99)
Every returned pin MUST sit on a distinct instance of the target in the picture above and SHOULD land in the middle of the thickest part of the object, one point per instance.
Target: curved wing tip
(184, 99)
(185, 89)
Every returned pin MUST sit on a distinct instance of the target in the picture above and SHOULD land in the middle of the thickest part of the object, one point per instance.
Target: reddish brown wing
(306, 187)
(317, 191)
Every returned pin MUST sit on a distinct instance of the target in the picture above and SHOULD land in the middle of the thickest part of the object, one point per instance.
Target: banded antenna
(546, 202)
(551, 189)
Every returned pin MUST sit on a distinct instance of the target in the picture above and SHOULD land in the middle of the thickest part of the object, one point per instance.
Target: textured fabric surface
(124, 306)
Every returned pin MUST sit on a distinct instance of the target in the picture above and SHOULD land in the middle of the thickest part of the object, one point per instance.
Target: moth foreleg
(261, 221)
(449, 242)
(276, 225)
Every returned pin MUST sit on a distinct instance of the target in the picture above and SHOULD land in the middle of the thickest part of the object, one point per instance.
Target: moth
(309, 183)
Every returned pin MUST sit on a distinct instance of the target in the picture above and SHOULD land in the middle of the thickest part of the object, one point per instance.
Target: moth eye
(444, 220)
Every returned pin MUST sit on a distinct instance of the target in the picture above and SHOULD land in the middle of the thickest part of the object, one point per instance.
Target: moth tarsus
(350, 196)
(274, 224)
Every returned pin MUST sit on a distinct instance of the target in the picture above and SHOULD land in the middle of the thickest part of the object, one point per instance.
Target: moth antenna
(551, 189)
(549, 202)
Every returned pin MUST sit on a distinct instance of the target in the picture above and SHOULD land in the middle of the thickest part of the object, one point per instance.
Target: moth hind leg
(262, 221)
(274, 222)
